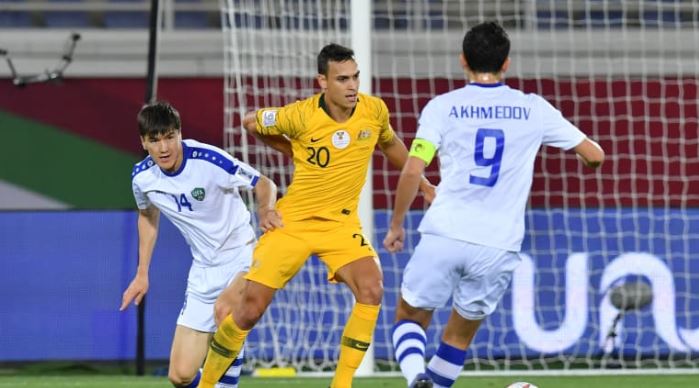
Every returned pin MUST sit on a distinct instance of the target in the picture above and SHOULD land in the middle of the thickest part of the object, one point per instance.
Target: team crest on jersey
(269, 118)
(341, 139)
(364, 134)
(199, 193)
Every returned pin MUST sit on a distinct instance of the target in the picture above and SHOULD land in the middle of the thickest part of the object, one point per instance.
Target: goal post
(270, 50)
(360, 27)
(626, 73)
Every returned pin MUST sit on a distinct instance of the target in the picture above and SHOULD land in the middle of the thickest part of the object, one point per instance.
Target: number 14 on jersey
(181, 201)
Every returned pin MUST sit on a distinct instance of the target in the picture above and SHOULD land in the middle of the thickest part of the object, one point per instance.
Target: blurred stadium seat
(662, 19)
(15, 19)
(435, 16)
(192, 19)
(388, 14)
(660, 13)
(67, 19)
(547, 20)
(126, 19)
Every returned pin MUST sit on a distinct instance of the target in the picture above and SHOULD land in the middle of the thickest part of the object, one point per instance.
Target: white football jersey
(487, 138)
(201, 199)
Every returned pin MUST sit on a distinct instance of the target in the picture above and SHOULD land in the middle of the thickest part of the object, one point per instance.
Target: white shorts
(205, 284)
(476, 276)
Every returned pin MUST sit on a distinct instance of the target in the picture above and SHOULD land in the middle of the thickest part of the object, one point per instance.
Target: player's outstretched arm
(148, 220)
(397, 154)
(408, 183)
(590, 153)
(266, 197)
(278, 142)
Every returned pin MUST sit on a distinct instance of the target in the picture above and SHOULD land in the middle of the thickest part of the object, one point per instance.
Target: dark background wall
(76, 141)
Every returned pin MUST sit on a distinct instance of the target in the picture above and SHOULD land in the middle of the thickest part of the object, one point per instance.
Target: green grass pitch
(622, 381)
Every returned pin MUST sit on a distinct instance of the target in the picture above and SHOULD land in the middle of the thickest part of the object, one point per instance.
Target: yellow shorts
(281, 253)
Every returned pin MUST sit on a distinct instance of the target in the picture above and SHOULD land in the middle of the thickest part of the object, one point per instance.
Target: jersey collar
(185, 156)
(495, 85)
(322, 105)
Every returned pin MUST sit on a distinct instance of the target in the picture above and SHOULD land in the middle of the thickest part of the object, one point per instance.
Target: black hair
(335, 53)
(158, 118)
(486, 47)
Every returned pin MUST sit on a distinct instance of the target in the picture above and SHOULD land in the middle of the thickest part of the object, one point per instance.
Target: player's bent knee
(221, 311)
(254, 302)
(179, 379)
(249, 317)
(251, 312)
(404, 311)
(370, 292)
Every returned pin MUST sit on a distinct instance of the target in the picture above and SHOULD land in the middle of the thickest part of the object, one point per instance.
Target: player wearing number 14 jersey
(487, 136)
(195, 186)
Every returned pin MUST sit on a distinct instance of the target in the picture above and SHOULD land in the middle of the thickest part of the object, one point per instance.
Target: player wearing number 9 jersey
(487, 136)
(331, 137)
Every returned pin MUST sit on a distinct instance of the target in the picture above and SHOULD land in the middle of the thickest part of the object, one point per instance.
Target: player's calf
(356, 339)
(255, 298)
(370, 293)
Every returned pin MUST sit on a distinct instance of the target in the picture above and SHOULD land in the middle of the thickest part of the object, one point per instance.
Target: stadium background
(68, 233)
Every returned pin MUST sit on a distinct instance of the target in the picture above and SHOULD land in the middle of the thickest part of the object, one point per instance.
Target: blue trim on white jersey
(495, 85)
(213, 157)
(141, 166)
(185, 156)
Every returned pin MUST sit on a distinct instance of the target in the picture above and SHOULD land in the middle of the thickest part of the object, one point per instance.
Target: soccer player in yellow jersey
(331, 137)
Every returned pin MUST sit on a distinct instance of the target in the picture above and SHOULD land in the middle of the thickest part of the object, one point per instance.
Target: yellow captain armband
(423, 149)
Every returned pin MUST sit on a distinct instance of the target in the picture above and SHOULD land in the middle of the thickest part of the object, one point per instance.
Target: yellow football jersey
(330, 158)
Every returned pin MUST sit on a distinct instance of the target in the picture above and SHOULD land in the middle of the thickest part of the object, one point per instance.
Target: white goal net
(610, 272)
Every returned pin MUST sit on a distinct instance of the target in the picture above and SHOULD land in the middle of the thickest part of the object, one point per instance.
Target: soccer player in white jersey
(487, 136)
(195, 186)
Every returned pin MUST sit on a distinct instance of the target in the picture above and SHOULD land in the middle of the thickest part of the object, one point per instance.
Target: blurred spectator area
(107, 14)
(388, 14)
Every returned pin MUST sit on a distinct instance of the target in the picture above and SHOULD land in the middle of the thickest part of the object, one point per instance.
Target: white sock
(409, 348)
(446, 365)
